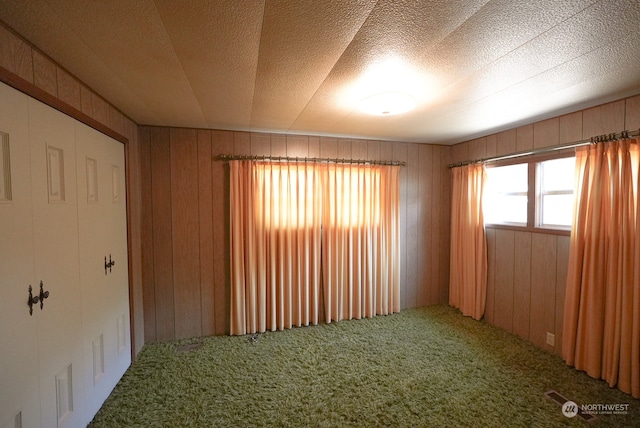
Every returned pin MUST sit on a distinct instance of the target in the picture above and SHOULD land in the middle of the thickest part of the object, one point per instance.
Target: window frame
(533, 194)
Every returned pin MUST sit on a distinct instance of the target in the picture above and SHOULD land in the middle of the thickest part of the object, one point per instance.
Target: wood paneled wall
(526, 282)
(527, 270)
(24, 66)
(185, 227)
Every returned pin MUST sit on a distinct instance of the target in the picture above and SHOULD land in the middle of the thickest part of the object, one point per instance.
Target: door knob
(43, 295)
(32, 300)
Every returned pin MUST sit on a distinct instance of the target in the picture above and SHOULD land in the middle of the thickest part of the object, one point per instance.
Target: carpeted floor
(421, 368)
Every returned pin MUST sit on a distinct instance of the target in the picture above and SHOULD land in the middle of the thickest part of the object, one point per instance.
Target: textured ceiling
(300, 66)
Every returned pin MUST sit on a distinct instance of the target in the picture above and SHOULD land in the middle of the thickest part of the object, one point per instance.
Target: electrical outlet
(551, 339)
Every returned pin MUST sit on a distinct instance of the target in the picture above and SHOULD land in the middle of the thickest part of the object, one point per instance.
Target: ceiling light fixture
(387, 103)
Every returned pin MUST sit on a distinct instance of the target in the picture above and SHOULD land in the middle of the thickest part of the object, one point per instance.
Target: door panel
(102, 233)
(92, 192)
(116, 242)
(56, 255)
(19, 384)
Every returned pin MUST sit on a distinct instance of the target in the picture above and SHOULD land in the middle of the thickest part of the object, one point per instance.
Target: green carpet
(421, 368)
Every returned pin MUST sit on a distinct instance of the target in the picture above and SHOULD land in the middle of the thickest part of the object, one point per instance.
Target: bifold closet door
(103, 264)
(19, 370)
(62, 225)
(56, 259)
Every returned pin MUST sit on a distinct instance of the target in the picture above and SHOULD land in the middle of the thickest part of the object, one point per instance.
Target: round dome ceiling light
(387, 104)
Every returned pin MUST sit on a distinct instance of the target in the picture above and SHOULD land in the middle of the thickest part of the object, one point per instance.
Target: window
(352, 200)
(531, 194)
(284, 198)
(288, 194)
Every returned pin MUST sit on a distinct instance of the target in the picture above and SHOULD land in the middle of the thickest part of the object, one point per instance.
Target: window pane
(508, 179)
(501, 205)
(557, 210)
(557, 174)
(556, 192)
(505, 209)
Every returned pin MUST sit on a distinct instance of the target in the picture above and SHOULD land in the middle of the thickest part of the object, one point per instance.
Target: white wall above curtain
(312, 242)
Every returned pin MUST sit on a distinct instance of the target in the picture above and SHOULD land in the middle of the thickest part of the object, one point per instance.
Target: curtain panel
(601, 331)
(468, 254)
(312, 242)
(360, 247)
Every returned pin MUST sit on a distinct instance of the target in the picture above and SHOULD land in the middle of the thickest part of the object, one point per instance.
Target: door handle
(32, 300)
(43, 295)
(108, 265)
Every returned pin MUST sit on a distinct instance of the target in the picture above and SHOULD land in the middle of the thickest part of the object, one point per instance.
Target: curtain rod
(593, 140)
(305, 159)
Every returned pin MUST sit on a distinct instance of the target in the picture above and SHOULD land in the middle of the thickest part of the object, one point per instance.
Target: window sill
(545, 231)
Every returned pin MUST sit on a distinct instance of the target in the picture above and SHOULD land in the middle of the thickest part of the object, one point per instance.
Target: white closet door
(62, 216)
(115, 223)
(102, 240)
(19, 372)
(55, 227)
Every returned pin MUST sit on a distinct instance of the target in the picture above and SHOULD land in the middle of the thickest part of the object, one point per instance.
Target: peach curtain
(468, 253)
(275, 245)
(360, 247)
(601, 331)
(295, 224)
